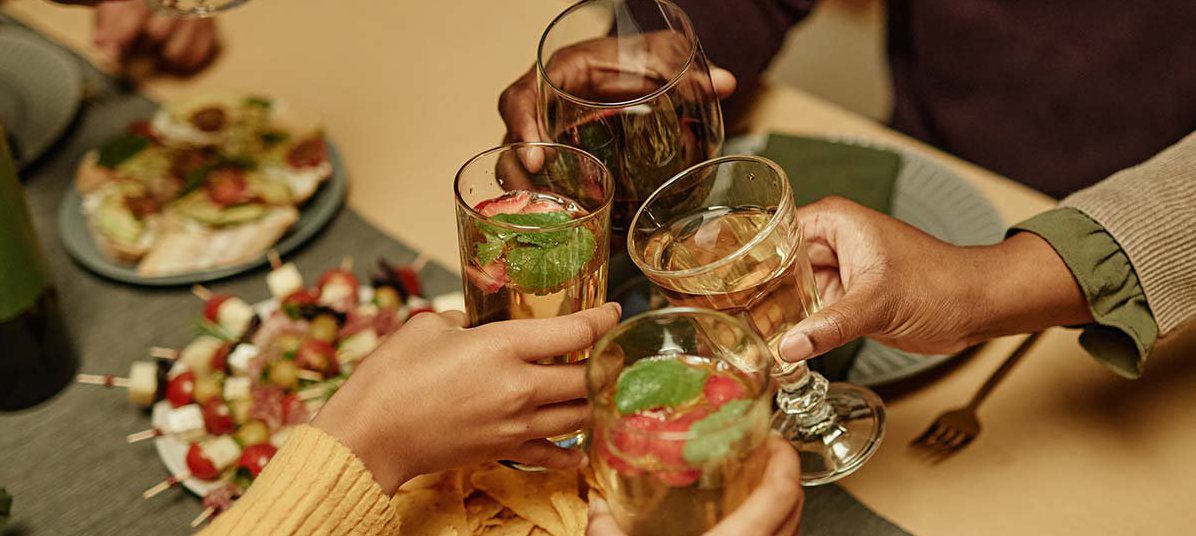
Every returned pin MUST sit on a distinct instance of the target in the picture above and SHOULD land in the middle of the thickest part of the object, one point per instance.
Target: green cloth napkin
(818, 168)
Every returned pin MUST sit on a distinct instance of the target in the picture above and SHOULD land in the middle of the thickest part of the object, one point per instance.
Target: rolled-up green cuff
(1125, 330)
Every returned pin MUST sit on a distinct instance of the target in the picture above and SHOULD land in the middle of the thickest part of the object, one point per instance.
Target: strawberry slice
(634, 437)
(509, 203)
(620, 465)
(679, 479)
(721, 389)
(542, 205)
(488, 278)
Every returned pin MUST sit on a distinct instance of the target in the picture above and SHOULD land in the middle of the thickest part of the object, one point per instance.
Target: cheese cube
(453, 301)
(284, 280)
(186, 422)
(238, 360)
(223, 451)
(198, 355)
(357, 346)
(336, 292)
(143, 383)
(237, 388)
(234, 316)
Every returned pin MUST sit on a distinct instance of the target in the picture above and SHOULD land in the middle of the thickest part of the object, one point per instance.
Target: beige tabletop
(408, 91)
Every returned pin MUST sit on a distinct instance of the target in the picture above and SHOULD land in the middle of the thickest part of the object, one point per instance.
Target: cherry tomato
(294, 302)
(410, 280)
(255, 457)
(319, 356)
(211, 310)
(338, 276)
(180, 390)
(220, 358)
(308, 153)
(199, 464)
(217, 418)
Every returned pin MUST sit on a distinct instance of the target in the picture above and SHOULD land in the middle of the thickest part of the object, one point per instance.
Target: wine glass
(681, 410)
(627, 81)
(724, 235)
(193, 9)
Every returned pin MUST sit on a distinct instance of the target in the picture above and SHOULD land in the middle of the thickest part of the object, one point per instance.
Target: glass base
(832, 448)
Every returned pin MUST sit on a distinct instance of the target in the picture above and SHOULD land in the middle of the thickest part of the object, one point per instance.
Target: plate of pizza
(201, 190)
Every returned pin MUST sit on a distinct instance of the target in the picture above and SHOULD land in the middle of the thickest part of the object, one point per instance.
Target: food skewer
(275, 260)
(161, 352)
(105, 380)
(202, 292)
(145, 383)
(203, 516)
(144, 434)
(170, 482)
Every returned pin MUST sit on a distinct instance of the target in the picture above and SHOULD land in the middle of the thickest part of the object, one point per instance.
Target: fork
(957, 428)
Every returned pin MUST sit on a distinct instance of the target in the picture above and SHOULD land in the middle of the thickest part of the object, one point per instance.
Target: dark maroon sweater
(1055, 94)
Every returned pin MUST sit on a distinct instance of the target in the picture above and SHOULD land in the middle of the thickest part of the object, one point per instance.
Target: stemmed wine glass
(724, 235)
(627, 81)
(193, 9)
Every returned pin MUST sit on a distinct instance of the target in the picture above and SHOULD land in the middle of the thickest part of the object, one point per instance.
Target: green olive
(284, 373)
(288, 343)
(387, 298)
(323, 328)
(207, 388)
(252, 433)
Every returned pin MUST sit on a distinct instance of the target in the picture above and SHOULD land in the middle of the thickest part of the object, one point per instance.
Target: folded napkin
(818, 168)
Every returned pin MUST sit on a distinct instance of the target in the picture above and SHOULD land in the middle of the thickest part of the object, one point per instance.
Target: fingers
(117, 25)
(190, 44)
(821, 255)
(770, 507)
(724, 82)
(159, 28)
(859, 313)
(601, 523)
(517, 106)
(559, 383)
(536, 339)
(558, 419)
(541, 453)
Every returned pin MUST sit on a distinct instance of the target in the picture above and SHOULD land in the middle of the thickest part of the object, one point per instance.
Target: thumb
(856, 314)
(723, 82)
(601, 523)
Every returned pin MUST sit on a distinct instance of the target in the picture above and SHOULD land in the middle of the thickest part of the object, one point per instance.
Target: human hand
(180, 44)
(436, 395)
(774, 508)
(581, 70)
(887, 280)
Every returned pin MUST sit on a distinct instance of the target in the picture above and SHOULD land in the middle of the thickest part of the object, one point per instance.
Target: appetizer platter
(199, 191)
(223, 404)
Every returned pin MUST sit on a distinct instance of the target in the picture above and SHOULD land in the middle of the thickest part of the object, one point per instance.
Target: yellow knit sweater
(314, 485)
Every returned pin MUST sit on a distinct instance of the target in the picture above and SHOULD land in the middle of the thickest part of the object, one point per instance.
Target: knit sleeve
(1124, 331)
(314, 485)
(1150, 209)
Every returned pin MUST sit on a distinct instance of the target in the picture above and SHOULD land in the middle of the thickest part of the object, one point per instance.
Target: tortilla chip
(513, 527)
(431, 511)
(428, 481)
(572, 511)
(537, 531)
(527, 494)
(480, 510)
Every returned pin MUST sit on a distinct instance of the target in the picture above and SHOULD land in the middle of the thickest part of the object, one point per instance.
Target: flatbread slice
(184, 246)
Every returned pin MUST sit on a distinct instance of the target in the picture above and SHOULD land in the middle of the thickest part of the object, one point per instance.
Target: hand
(884, 279)
(774, 508)
(436, 395)
(578, 69)
(181, 44)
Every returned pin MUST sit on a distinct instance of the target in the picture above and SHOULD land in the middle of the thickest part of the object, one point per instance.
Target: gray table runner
(66, 462)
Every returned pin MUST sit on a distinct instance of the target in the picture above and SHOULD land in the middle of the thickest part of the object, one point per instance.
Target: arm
(432, 397)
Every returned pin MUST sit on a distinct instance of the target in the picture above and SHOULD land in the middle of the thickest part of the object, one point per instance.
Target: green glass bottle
(37, 359)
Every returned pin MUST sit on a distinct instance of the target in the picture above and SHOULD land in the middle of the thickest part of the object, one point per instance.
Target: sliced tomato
(199, 465)
(217, 418)
(255, 457)
(180, 390)
(211, 310)
(227, 186)
(308, 153)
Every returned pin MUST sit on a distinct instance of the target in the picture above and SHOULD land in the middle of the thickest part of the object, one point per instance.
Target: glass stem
(803, 396)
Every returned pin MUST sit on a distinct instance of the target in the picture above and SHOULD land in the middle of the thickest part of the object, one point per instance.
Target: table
(408, 90)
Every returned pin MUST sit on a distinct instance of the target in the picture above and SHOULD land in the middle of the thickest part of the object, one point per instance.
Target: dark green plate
(319, 210)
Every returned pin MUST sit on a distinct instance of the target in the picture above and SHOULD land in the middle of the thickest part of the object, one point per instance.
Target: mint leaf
(544, 268)
(211, 329)
(657, 383)
(539, 219)
(490, 250)
(536, 219)
(119, 149)
(715, 433)
(259, 102)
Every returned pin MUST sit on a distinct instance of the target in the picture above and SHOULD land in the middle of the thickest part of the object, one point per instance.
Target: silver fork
(957, 428)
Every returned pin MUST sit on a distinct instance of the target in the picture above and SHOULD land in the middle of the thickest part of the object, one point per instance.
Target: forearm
(1024, 286)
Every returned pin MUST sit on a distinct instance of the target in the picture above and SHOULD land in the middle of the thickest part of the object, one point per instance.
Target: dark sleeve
(1125, 330)
(742, 36)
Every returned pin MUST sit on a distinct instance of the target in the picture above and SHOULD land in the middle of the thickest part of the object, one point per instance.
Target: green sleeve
(1125, 329)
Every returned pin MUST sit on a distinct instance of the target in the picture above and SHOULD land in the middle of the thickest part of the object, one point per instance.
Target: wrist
(1022, 285)
(388, 468)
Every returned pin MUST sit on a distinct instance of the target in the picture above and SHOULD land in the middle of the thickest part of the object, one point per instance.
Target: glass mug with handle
(534, 244)
(724, 235)
(627, 81)
(681, 412)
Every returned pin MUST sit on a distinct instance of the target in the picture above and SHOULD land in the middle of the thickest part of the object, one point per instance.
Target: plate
(40, 91)
(319, 210)
(927, 195)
